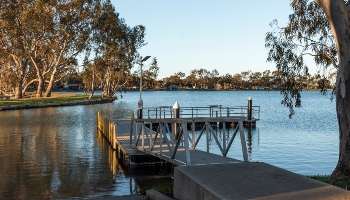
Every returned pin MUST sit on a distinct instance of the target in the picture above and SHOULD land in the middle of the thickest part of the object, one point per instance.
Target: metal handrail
(165, 112)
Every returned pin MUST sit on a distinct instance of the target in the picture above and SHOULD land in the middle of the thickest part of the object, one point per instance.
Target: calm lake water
(57, 153)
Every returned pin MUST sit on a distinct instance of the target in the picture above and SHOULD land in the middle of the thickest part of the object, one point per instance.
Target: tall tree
(14, 54)
(321, 29)
(69, 36)
(150, 75)
(116, 44)
(49, 35)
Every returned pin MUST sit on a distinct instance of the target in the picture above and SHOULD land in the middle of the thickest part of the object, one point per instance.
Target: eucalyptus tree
(14, 23)
(181, 76)
(201, 76)
(319, 28)
(116, 44)
(191, 80)
(265, 79)
(226, 79)
(237, 81)
(42, 36)
(68, 37)
(150, 74)
(213, 78)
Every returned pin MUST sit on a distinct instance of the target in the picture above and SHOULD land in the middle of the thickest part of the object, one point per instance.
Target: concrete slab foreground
(249, 180)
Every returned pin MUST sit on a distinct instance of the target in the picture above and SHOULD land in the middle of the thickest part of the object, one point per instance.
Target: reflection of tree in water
(117, 110)
(52, 153)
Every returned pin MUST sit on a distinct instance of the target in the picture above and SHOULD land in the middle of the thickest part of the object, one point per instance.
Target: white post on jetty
(176, 109)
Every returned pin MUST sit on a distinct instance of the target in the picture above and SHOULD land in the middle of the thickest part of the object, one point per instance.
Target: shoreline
(72, 103)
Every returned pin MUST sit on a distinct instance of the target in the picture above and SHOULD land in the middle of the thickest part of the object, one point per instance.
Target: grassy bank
(30, 99)
(161, 184)
(344, 184)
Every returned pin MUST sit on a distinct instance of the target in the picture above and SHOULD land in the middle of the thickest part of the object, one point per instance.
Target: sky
(226, 35)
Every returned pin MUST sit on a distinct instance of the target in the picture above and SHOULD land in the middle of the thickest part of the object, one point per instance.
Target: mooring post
(250, 102)
(176, 109)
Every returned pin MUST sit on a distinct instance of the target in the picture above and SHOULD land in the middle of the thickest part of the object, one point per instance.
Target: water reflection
(53, 153)
(139, 176)
(252, 138)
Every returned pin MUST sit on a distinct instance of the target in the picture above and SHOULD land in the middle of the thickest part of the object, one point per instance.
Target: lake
(56, 152)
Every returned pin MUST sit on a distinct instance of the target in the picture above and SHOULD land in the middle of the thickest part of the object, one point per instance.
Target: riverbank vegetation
(327, 179)
(41, 42)
(162, 184)
(56, 98)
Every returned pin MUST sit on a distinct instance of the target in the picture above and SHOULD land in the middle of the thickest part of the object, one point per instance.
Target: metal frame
(167, 142)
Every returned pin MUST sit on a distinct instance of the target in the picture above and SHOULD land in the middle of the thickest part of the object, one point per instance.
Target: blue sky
(227, 35)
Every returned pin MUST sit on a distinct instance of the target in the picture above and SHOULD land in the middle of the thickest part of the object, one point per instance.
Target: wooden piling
(108, 129)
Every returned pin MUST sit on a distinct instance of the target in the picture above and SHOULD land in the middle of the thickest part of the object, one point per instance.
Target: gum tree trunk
(51, 82)
(337, 13)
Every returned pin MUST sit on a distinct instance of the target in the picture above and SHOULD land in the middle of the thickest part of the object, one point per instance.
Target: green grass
(343, 183)
(29, 100)
(162, 184)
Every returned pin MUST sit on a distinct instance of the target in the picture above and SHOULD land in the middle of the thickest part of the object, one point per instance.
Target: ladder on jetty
(175, 139)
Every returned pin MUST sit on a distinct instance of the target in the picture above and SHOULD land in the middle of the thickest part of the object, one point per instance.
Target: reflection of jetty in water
(139, 176)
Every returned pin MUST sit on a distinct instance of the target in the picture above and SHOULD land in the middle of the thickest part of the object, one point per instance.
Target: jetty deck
(203, 175)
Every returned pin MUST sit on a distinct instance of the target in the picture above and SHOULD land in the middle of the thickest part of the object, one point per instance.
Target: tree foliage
(306, 34)
(114, 45)
(40, 42)
(320, 28)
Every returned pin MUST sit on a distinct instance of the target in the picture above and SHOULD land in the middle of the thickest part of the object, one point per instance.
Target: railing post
(193, 133)
(207, 134)
(176, 109)
(160, 137)
(115, 137)
(131, 130)
(224, 135)
(243, 143)
(187, 146)
(151, 134)
(250, 102)
(143, 135)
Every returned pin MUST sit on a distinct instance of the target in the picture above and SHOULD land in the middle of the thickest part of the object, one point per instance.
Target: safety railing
(164, 112)
(173, 134)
